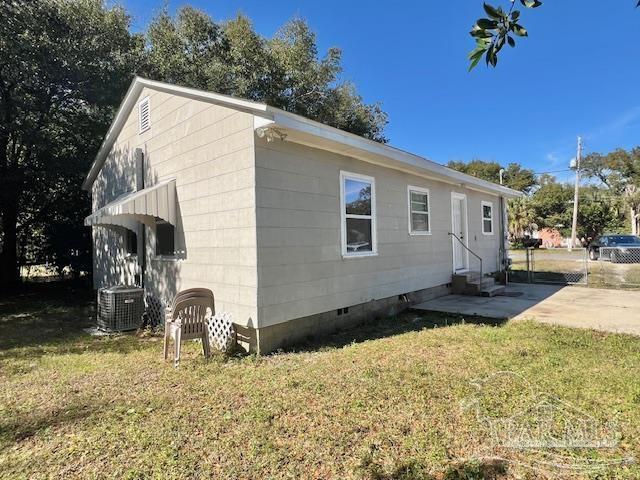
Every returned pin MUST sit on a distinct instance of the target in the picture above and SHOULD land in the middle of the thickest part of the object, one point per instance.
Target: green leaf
(491, 57)
(474, 62)
(477, 52)
(519, 30)
(515, 15)
(493, 12)
(486, 24)
(531, 3)
(511, 41)
(480, 33)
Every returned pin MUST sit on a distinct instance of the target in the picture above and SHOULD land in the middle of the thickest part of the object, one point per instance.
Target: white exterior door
(459, 229)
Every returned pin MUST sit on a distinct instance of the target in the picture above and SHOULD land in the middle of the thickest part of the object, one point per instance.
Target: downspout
(142, 242)
(504, 242)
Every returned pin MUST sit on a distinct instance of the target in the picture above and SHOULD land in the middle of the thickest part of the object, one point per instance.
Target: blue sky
(577, 73)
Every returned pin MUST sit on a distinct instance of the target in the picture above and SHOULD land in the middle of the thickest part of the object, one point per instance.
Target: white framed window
(144, 115)
(487, 218)
(358, 215)
(419, 210)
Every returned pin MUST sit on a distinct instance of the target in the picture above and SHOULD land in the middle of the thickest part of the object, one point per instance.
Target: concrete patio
(571, 306)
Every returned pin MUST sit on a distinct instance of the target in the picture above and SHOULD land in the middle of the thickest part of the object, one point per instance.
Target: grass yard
(390, 401)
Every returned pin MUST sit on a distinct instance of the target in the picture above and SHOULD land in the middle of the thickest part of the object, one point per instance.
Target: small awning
(158, 201)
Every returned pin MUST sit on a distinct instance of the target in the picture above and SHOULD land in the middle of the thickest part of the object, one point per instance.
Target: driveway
(571, 306)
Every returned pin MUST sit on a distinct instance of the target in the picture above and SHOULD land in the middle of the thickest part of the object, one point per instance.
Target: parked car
(617, 248)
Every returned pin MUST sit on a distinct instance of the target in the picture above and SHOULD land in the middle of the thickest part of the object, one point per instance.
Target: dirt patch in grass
(391, 400)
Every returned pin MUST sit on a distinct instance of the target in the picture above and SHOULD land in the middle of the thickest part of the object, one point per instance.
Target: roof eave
(309, 132)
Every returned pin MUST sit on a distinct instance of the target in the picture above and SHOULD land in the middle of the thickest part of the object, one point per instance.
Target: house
(297, 227)
(551, 237)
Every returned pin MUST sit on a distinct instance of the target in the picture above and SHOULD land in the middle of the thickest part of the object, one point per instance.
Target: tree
(491, 33)
(285, 71)
(551, 205)
(619, 173)
(64, 66)
(514, 176)
(521, 217)
(498, 29)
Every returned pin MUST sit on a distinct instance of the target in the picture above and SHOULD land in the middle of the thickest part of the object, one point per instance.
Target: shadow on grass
(485, 469)
(24, 426)
(51, 318)
(408, 321)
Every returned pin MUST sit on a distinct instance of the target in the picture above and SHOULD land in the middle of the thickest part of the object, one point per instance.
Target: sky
(576, 74)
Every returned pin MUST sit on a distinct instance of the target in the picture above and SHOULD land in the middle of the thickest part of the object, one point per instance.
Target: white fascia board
(321, 136)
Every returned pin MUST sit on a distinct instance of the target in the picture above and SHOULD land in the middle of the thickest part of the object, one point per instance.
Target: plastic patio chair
(186, 320)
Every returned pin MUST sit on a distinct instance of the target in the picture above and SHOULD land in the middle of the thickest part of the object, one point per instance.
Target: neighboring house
(551, 237)
(296, 226)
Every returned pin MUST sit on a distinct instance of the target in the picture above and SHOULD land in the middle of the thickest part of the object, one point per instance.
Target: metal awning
(157, 201)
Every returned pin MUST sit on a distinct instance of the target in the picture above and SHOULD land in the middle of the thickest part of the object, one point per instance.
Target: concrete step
(485, 283)
(467, 276)
(475, 287)
(493, 291)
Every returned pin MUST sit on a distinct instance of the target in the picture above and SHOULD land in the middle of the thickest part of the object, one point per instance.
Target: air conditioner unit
(120, 308)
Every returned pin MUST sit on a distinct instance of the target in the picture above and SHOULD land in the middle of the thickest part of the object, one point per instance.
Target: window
(419, 218)
(165, 242)
(358, 204)
(130, 243)
(144, 115)
(487, 218)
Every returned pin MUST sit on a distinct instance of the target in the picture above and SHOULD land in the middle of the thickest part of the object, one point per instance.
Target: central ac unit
(120, 308)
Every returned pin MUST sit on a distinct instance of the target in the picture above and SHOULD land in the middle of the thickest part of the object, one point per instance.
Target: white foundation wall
(301, 271)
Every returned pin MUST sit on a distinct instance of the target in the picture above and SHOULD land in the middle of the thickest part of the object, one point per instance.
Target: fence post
(586, 267)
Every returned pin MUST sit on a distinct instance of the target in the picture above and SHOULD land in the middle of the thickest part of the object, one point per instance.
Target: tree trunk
(634, 222)
(9, 272)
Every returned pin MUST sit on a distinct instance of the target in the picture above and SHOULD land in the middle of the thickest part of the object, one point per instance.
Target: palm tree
(521, 217)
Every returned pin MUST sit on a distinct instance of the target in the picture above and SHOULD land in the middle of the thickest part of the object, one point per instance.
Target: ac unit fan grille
(120, 308)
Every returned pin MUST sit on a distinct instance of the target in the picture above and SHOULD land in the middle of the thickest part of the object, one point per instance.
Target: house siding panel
(209, 150)
(301, 271)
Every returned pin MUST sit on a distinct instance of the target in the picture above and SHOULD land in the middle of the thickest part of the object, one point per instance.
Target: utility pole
(574, 225)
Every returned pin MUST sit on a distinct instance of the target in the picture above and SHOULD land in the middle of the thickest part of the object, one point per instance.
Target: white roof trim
(157, 201)
(300, 130)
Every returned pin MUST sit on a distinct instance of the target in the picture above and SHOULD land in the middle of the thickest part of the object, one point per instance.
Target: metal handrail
(468, 250)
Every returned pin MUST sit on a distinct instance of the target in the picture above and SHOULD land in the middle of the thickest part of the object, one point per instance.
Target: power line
(554, 171)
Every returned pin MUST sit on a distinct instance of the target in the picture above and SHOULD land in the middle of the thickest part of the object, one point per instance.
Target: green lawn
(389, 401)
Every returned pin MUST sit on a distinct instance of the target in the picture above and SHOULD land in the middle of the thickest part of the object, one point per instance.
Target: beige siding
(301, 271)
(209, 150)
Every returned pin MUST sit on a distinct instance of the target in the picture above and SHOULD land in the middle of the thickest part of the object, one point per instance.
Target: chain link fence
(617, 267)
(555, 266)
(610, 267)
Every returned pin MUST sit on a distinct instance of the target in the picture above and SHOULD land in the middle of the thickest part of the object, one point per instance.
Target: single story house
(297, 227)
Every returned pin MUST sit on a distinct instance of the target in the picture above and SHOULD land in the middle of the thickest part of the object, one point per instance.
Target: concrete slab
(600, 309)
